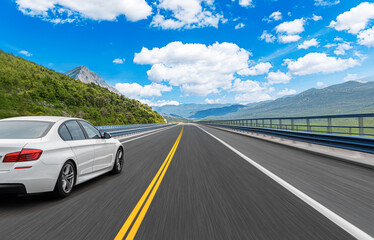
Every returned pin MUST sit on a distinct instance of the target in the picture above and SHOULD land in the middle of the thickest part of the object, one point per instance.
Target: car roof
(39, 118)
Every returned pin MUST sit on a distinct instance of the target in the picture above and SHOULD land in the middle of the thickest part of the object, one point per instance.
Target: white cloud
(316, 18)
(320, 84)
(26, 53)
(239, 26)
(366, 37)
(278, 77)
(134, 90)
(177, 14)
(309, 43)
(119, 60)
(326, 2)
(360, 55)
(61, 11)
(250, 91)
(275, 16)
(319, 63)
(258, 69)
(342, 47)
(197, 68)
(338, 39)
(356, 19)
(252, 97)
(330, 45)
(289, 31)
(159, 103)
(215, 101)
(350, 77)
(268, 37)
(288, 38)
(290, 28)
(286, 92)
(246, 86)
(246, 3)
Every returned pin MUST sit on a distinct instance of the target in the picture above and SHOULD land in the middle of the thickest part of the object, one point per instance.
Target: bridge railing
(348, 124)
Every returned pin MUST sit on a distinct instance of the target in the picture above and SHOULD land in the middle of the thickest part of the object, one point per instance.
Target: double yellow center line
(147, 197)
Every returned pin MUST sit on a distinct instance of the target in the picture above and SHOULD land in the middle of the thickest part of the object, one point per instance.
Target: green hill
(30, 89)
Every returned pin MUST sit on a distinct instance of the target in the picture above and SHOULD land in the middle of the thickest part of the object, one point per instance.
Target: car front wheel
(66, 180)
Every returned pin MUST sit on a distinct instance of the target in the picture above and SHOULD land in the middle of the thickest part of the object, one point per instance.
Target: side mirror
(106, 135)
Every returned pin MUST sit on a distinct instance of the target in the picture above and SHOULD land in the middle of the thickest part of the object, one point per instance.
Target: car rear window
(24, 129)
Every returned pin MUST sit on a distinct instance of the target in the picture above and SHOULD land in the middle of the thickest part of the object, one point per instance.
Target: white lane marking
(341, 222)
(148, 134)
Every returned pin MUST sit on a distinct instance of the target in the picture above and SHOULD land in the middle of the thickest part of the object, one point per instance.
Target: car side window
(64, 133)
(75, 130)
(91, 131)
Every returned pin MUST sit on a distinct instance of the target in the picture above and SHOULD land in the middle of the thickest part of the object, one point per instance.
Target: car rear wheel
(66, 180)
(118, 163)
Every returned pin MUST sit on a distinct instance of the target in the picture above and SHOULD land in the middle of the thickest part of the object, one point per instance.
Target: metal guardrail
(362, 144)
(349, 124)
(120, 127)
(118, 130)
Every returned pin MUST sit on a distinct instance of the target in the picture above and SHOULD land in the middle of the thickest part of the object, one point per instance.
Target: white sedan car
(43, 154)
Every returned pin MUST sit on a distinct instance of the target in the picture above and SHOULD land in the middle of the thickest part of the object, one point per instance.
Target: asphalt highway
(185, 184)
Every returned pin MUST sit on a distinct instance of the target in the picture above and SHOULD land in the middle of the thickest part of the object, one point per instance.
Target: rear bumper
(12, 188)
(38, 178)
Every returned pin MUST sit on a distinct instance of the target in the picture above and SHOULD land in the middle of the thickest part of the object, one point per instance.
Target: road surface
(202, 190)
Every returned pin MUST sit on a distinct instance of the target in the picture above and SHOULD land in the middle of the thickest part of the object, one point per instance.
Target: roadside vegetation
(30, 89)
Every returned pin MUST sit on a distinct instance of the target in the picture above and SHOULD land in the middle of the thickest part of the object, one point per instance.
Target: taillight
(11, 157)
(24, 155)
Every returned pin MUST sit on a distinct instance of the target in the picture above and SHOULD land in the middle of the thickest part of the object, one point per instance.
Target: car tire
(66, 180)
(118, 162)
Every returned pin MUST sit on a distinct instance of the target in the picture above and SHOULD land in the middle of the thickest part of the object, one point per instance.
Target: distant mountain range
(85, 75)
(345, 98)
(216, 111)
(186, 110)
(174, 118)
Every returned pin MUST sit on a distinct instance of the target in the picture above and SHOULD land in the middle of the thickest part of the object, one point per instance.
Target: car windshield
(23, 129)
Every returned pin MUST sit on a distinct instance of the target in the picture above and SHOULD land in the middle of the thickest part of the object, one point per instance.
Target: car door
(104, 148)
(82, 147)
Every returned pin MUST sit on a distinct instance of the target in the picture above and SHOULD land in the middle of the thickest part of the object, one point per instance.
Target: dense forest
(30, 89)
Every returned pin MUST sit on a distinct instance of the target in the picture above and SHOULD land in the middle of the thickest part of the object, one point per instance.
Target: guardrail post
(329, 128)
(271, 123)
(360, 126)
(256, 122)
(280, 123)
(263, 123)
(308, 127)
(292, 124)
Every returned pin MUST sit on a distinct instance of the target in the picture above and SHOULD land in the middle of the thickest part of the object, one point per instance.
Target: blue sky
(194, 51)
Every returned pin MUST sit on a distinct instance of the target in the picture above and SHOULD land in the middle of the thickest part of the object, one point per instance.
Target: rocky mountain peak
(85, 75)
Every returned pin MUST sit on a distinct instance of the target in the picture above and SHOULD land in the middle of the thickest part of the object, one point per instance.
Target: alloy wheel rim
(119, 160)
(68, 177)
